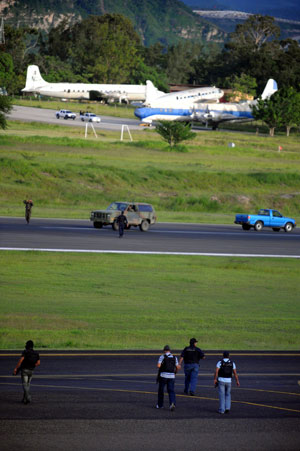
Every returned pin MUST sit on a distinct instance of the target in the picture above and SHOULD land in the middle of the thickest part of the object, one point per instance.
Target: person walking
(122, 221)
(222, 379)
(191, 355)
(167, 368)
(29, 360)
(28, 206)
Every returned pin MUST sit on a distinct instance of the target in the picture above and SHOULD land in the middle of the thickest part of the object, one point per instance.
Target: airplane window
(69, 90)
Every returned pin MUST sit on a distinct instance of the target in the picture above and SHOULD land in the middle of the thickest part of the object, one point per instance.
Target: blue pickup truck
(266, 218)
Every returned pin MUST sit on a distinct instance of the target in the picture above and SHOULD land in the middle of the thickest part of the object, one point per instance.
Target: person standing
(167, 368)
(122, 221)
(222, 379)
(191, 355)
(28, 207)
(29, 360)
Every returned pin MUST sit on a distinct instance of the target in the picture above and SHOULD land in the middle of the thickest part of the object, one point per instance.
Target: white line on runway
(104, 251)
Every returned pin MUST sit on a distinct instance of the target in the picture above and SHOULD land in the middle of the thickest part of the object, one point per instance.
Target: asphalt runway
(80, 235)
(106, 401)
(29, 114)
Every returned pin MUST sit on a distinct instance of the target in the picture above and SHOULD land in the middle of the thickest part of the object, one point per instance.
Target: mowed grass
(71, 301)
(67, 175)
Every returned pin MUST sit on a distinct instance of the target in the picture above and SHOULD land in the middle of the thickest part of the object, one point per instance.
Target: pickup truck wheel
(258, 226)
(98, 225)
(276, 229)
(66, 117)
(288, 227)
(82, 119)
(57, 116)
(144, 226)
(246, 227)
(73, 118)
(115, 226)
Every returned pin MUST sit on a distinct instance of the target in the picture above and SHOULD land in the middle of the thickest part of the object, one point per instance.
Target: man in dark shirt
(122, 221)
(28, 207)
(29, 360)
(191, 355)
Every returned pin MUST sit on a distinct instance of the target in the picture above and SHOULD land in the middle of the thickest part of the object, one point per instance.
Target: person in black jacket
(191, 355)
(122, 221)
(29, 360)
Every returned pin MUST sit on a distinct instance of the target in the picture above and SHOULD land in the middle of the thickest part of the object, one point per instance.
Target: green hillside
(165, 21)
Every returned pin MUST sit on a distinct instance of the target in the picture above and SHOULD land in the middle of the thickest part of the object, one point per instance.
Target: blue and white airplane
(206, 113)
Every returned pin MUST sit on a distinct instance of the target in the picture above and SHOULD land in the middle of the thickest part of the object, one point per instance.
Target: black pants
(121, 229)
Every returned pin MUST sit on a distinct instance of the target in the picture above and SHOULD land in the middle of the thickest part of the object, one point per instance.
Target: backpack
(226, 369)
(168, 365)
(30, 359)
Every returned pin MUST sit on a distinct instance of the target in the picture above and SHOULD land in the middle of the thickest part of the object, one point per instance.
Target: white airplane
(207, 113)
(84, 91)
(187, 98)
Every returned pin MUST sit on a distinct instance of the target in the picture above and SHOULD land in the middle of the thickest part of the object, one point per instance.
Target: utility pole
(2, 36)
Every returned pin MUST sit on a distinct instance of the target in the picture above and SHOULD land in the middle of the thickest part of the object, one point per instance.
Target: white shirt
(163, 374)
(225, 379)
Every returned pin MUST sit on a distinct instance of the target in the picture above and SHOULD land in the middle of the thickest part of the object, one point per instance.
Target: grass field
(143, 302)
(67, 176)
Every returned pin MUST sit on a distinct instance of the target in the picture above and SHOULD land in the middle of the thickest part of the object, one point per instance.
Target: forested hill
(165, 21)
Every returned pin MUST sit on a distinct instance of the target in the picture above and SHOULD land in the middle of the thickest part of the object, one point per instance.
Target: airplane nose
(138, 113)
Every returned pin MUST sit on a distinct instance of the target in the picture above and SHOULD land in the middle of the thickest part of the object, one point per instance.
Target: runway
(29, 114)
(105, 400)
(194, 239)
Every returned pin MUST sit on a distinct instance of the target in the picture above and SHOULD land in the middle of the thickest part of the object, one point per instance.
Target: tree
(5, 108)
(6, 70)
(174, 132)
(242, 86)
(289, 100)
(269, 111)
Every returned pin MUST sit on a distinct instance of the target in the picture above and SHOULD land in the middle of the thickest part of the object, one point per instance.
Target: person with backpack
(224, 370)
(29, 360)
(167, 368)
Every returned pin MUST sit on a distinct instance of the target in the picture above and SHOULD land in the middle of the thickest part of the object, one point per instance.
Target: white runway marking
(104, 251)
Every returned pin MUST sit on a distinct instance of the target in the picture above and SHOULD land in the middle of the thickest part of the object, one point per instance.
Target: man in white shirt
(168, 366)
(224, 370)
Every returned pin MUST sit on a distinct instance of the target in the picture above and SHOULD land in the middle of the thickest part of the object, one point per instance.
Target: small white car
(90, 117)
(66, 114)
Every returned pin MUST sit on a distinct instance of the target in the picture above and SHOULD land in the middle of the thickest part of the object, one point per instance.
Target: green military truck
(137, 214)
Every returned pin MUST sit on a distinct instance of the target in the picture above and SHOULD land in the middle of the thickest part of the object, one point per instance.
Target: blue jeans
(26, 379)
(191, 371)
(163, 381)
(224, 396)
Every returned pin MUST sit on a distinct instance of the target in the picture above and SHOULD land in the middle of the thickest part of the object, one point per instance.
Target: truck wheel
(115, 226)
(144, 226)
(246, 227)
(276, 229)
(82, 119)
(57, 116)
(66, 117)
(258, 226)
(98, 225)
(288, 227)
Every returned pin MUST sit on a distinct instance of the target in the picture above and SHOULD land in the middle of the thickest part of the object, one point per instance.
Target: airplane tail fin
(152, 93)
(270, 88)
(33, 79)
